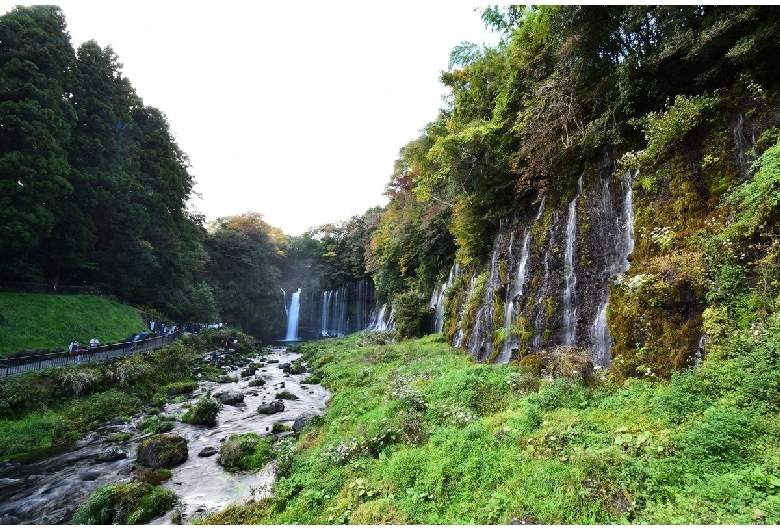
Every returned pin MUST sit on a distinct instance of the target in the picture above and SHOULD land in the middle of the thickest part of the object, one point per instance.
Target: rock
(112, 454)
(207, 451)
(300, 423)
(89, 476)
(162, 450)
(119, 421)
(271, 408)
(231, 397)
(284, 366)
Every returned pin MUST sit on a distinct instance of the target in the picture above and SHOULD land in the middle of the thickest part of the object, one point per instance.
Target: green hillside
(418, 433)
(39, 321)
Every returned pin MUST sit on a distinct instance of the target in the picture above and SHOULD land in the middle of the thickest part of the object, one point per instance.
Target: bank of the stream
(48, 485)
(418, 433)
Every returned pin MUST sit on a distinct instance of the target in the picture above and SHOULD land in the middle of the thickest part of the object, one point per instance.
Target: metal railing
(20, 364)
(47, 288)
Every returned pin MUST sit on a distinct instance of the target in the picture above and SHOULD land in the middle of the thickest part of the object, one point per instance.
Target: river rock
(112, 454)
(162, 450)
(271, 408)
(207, 451)
(231, 397)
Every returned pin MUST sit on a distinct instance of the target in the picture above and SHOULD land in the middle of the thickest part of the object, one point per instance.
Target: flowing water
(570, 276)
(292, 315)
(47, 487)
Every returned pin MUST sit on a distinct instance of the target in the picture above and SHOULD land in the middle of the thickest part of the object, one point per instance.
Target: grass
(51, 322)
(418, 433)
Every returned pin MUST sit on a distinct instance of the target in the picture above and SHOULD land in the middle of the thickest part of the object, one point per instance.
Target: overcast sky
(293, 111)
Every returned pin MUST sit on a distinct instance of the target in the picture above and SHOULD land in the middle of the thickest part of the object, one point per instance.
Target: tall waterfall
(437, 300)
(570, 277)
(292, 315)
(347, 309)
(480, 341)
(617, 253)
(513, 298)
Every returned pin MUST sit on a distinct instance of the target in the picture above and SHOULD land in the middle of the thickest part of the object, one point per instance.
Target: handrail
(17, 365)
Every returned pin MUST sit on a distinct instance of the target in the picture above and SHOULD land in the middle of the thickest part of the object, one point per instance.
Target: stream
(46, 487)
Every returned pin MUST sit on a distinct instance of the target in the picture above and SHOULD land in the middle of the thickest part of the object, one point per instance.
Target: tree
(244, 268)
(36, 116)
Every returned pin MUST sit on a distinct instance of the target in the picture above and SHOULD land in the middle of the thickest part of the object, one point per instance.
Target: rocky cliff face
(548, 279)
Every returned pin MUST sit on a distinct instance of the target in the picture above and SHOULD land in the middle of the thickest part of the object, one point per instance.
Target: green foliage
(246, 452)
(204, 412)
(417, 433)
(125, 504)
(664, 131)
(410, 314)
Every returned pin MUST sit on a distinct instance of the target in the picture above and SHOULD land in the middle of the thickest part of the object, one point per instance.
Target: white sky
(295, 111)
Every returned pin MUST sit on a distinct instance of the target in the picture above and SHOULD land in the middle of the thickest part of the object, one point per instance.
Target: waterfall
(512, 304)
(347, 309)
(325, 312)
(437, 300)
(570, 278)
(617, 255)
(480, 343)
(292, 315)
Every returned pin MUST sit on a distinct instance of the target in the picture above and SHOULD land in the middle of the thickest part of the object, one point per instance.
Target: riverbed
(47, 487)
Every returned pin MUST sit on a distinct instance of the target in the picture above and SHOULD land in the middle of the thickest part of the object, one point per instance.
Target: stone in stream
(207, 451)
(162, 450)
(271, 408)
(112, 454)
(230, 397)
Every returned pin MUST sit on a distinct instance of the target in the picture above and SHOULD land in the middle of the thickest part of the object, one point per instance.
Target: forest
(94, 186)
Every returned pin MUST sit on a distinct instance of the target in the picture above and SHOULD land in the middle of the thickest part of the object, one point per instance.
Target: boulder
(271, 408)
(230, 397)
(162, 450)
(300, 423)
(207, 451)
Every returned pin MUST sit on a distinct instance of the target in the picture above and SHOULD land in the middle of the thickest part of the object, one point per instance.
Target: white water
(292, 315)
(617, 263)
(570, 278)
(437, 300)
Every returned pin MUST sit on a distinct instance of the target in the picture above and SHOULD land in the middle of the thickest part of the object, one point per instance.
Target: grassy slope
(416, 433)
(36, 321)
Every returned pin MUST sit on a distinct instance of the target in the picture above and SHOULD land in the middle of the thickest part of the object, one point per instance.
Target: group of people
(75, 350)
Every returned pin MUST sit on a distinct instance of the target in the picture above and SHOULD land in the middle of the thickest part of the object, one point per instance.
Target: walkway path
(18, 365)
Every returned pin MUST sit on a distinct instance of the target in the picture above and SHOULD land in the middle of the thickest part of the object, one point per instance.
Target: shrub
(180, 387)
(132, 503)
(410, 314)
(204, 412)
(245, 451)
(154, 476)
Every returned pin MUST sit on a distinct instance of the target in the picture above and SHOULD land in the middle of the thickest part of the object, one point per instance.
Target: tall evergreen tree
(36, 116)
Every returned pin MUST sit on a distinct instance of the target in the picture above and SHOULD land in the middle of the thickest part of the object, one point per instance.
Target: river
(48, 486)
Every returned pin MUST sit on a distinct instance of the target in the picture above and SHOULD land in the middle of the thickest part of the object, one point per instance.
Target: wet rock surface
(48, 486)
(162, 450)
